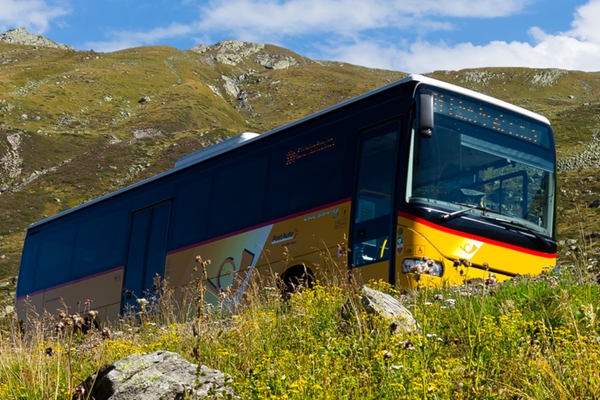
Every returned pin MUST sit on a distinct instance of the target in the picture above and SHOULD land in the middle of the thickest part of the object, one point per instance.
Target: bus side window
(55, 255)
(238, 194)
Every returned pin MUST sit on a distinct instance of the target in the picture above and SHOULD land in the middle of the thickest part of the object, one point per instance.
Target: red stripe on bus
(273, 222)
(475, 237)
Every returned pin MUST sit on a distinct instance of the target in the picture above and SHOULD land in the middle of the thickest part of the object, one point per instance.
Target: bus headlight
(422, 266)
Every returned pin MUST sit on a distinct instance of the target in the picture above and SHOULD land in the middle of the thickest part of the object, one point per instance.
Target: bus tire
(297, 278)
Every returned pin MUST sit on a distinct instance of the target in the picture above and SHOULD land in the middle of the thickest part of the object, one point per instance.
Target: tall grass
(529, 338)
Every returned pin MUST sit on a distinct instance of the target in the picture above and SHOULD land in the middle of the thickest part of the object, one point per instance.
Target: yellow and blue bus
(421, 181)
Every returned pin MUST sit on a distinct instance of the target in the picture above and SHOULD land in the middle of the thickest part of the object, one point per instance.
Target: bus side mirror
(425, 114)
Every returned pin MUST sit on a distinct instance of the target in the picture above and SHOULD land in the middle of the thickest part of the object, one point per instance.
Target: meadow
(527, 338)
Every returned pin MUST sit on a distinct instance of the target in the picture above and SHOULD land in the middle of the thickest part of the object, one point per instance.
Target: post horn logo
(469, 248)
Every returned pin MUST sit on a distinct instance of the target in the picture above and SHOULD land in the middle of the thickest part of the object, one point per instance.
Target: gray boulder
(231, 86)
(378, 303)
(275, 61)
(161, 375)
(232, 52)
(200, 48)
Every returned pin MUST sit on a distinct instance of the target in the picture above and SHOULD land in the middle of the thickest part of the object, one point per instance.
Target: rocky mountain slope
(21, 36)
(78, 124)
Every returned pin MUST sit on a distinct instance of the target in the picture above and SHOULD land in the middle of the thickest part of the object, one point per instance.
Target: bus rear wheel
(297, 278)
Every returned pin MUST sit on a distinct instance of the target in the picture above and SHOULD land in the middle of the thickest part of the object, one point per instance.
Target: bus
(419, 182)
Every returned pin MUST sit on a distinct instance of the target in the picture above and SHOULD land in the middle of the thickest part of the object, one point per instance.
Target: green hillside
(75, 125)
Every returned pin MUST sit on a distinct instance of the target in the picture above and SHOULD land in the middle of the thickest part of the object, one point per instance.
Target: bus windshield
(485, 158)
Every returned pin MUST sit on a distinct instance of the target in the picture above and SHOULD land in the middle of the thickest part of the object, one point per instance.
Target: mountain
(78, 124)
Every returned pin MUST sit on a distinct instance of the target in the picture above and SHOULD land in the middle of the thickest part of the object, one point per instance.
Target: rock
(481, 77)
(11, 163)
(401, 319)
(275, 61)
(144, 100)
(587, 158)
(215, 90)
(245, 76)
(595, 204)
(6, 311)
(232, 52)
(231, 86)
(21, 36)
(201, 48)
(546, 77)
(244, 49)
(146, 132)
(243, 101)
(161, 375)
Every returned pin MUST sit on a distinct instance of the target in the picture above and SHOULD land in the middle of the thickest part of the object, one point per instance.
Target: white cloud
(585, 25)
(34, 15)
(577, 49)
(276, 21)
(422, 57)
(342, 17)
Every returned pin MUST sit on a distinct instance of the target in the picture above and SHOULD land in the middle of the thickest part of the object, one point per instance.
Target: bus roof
(248, 137)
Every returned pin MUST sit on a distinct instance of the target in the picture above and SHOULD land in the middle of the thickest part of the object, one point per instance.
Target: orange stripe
(475, 237)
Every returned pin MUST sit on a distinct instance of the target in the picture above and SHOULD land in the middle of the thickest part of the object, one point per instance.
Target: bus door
(372, 236)
(146, 256)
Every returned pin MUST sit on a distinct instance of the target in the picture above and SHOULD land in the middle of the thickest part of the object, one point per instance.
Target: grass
(528, 338)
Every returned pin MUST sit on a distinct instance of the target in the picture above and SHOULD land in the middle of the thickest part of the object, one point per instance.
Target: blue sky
(416, 36)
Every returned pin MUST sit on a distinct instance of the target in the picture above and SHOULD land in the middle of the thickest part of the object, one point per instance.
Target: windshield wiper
(515, 225)
(519, 227)
(470, 207)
